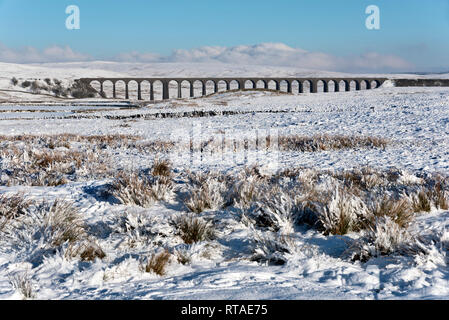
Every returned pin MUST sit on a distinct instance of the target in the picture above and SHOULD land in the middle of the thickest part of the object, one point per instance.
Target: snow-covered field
(310, 196)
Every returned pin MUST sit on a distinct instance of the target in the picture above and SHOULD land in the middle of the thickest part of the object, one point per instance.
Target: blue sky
(415, 31)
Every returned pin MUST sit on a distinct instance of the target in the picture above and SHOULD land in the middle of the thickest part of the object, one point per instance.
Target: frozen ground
(316, 265)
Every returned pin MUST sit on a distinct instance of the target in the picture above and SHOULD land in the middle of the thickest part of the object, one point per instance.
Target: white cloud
(277, 54)
(274, 54)
(33, 55)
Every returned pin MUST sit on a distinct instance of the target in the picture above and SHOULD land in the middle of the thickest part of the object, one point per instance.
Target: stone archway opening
(307, 86)
(249, 84)
(352, 85)
(222, 86)
(132, 90)
(331, 86)
(234, 85)
(120, 89)
(157, 90)
(283, 86)
(107, 89)
(145, 88)
(321, 86)
(261, 84)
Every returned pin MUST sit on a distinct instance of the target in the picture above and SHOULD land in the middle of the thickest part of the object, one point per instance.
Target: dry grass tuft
(13, 206)
(208, 192)
(64, 222)
(328, 142)
(384, 237)
(157, 146)
(272, 248)
(399, 211)
(161, 168)
(194, 229)
(129, 188)
(343, 214)
(158, 263)
(421, 202)
(439, 196)
(23, 284)
(87, 250)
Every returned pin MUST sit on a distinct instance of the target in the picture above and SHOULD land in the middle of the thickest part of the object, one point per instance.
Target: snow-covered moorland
(243, 195)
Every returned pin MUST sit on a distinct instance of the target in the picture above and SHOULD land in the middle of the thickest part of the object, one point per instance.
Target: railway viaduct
(311, 84)
(301, 85)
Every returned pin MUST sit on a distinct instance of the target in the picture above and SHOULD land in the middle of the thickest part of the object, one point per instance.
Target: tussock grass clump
(60, 161)
(158, 263)
(421, 202)
(198, 201)
(193, 229)
(86, 250)
(157, 146)
(366, 178)
(275, 211)
(63, 140)
(247, 188)
(49, 227)
(13, 206)
(439, 196)
(183, 257)
(130, 188)
(206, 192)
(384, 237)
(328, 142)
(63, 221)
(399, 211)
(345, 213)
(22, 283)
(163, 188)
(162, 168)
(272, 248)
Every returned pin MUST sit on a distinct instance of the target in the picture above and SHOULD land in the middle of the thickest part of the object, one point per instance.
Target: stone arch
(247, 86)
(272, 84)
(145, 89)
(307, 86)
(96, 85)
(283, 85)
(183, 89)
(210, 86)
(119, 89)
(222, 85)
(364, 85)
(374, 84)
(321, 86)
(296, 86)
(261, 84)
(234, 85)
(133, 90)
(173, 89)
(344, 85)
(353, 84)
(108, 88)
(157, 90)
(332, 86)
(197, 88)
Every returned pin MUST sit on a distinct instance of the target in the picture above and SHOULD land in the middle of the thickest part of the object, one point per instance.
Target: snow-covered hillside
(311, 196)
